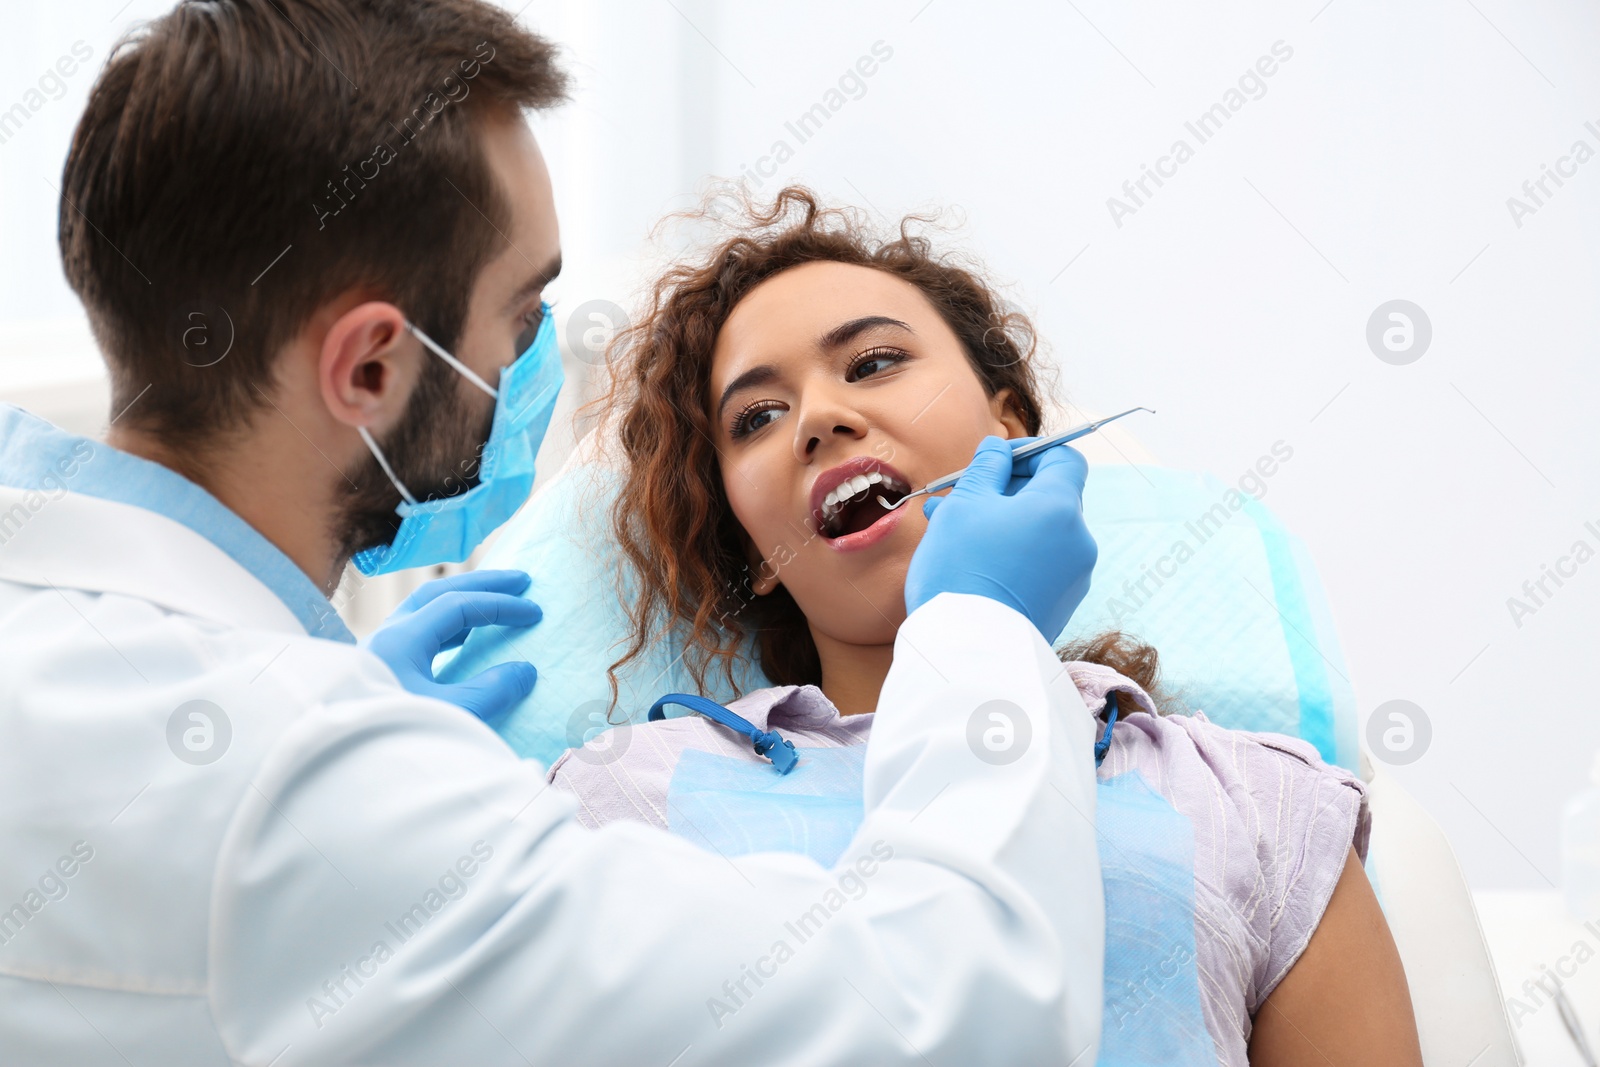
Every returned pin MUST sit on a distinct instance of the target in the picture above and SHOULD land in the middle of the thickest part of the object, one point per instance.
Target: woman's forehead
(787, 315)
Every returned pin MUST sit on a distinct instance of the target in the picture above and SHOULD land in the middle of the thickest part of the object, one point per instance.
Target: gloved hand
(438, 616)
(1012, 532)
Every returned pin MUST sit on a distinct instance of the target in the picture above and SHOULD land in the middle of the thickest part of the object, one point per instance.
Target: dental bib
(733, 803)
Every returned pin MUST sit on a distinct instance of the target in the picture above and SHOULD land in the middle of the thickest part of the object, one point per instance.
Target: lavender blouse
(1219, 848)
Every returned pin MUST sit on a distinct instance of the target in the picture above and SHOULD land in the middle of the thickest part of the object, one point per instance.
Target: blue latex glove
(1012, 532)
(438, 616)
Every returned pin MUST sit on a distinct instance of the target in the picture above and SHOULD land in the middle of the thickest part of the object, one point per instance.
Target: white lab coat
(366, 876)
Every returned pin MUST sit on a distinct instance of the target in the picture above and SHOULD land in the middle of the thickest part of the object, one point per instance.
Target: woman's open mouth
(845, 508)
(853, 505)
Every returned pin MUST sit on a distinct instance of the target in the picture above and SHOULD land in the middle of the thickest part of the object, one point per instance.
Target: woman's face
(825, 378)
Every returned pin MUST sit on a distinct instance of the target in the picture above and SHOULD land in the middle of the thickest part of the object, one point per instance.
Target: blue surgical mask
(447, 530)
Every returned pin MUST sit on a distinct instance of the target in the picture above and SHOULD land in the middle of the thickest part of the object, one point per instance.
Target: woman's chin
(861, 598)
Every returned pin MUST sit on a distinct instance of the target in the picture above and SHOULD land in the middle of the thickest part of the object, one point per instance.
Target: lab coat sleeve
(396, 888)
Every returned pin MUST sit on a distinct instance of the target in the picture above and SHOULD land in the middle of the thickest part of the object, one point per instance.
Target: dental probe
(1021, 452)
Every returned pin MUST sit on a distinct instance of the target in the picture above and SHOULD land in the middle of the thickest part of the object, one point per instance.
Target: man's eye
(531, 322)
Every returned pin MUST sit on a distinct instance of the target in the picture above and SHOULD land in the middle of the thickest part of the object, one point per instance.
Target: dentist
(312, 237)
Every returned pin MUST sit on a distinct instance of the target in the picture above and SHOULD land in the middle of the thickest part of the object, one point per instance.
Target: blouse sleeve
(1308, 816)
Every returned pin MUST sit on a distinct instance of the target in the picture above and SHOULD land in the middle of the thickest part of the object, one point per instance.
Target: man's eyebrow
(846, 332)
(534, 284)
(748, 380)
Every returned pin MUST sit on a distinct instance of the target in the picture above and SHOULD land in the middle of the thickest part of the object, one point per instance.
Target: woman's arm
(1345, 1001)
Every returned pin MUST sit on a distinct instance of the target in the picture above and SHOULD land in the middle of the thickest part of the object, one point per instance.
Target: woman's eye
(871, 363)
(752, 419)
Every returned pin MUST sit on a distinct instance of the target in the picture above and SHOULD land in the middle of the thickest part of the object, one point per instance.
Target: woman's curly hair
(673, 520)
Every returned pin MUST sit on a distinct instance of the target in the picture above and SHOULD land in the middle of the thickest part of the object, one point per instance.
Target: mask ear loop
(377, 454)
(461, 368)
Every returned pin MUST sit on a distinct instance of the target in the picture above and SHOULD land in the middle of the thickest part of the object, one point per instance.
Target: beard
(435, 451)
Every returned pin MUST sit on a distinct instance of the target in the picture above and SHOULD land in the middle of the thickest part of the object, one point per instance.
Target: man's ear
(1007, 412)
(368, 365)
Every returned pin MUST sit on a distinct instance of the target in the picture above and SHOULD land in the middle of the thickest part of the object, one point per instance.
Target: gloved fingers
(1061, 469)
(989, 471)
(455, 642)
(1021, 469)
(474, 618)
(494, 692)
(452, 615)
(489, 581)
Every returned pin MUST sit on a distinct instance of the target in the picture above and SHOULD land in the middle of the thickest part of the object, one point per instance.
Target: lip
(833, 477)
(870, 536)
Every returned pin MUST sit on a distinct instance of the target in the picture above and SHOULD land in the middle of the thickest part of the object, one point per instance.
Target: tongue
(859, 514)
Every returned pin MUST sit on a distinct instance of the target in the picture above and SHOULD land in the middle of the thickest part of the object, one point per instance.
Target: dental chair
(1237, 612)
(1461, 1017)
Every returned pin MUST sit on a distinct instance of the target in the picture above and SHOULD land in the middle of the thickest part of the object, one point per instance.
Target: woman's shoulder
(1189, 755)
(1270, 824)
(1266, 777)
(1268, 784)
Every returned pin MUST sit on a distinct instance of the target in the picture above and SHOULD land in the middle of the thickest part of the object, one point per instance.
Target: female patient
(804, 368)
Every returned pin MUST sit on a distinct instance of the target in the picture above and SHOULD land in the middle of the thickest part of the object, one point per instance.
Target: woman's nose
(826, 419)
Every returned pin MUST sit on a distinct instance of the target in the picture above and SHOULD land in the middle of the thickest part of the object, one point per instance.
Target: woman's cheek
(773, 540)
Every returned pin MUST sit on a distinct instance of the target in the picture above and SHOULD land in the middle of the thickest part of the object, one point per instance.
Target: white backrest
(1461, 1016)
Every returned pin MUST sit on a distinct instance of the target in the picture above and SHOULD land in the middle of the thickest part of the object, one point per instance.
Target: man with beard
(312, 238)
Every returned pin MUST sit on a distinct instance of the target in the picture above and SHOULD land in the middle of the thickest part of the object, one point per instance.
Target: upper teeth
(847, 490)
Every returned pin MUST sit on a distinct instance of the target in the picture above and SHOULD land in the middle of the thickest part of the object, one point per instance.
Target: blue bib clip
(767, 743)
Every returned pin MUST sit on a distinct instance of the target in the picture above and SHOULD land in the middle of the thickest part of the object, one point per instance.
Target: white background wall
(1376, 166)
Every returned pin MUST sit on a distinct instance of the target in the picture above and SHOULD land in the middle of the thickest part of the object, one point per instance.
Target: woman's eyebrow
(846, 332)
(841, 334)
(751, 378)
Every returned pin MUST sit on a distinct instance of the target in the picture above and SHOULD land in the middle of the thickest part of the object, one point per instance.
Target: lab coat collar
(94, 517)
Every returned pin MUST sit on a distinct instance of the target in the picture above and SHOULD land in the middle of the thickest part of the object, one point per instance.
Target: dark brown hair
(242, 162)
(678, 529)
